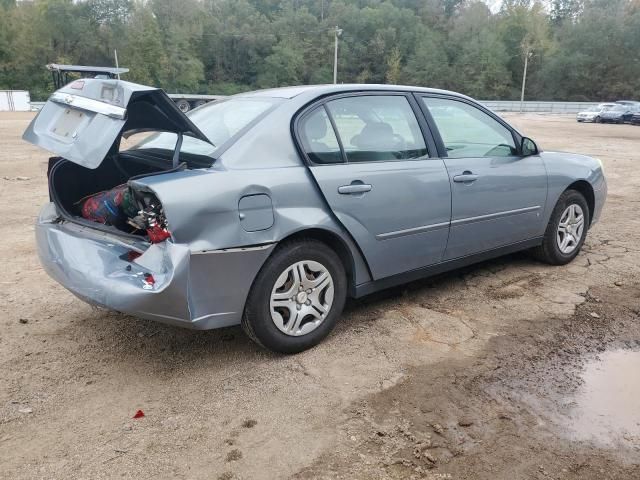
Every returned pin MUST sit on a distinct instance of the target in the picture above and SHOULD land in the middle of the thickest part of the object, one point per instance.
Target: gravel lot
(476, 374)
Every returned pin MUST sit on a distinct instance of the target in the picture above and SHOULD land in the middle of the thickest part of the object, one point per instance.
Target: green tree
(181, 30)
(394, 66)
(524, 30)
(565, 11)
(428, 65)
(580, 49)
(596, 57)
(144, 53)
(283, 67)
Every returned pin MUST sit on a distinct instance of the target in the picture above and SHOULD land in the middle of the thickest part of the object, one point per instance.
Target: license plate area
(67, 125)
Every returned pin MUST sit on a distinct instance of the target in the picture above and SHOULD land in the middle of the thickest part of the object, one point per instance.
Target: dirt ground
(477, 374)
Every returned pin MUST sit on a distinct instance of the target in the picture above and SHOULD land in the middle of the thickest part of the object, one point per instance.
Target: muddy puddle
(554, 398)
(605, 410)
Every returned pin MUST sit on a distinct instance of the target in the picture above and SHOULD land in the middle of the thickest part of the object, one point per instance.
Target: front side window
(377, 128)
(318, 138)
(468, 132)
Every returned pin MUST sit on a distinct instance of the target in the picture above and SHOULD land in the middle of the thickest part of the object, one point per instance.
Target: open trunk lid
(84, 120)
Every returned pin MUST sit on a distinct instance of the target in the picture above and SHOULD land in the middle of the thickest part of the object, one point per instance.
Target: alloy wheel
(301, 298)
(570, 228)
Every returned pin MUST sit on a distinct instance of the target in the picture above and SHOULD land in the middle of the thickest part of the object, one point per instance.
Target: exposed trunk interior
(71, 184)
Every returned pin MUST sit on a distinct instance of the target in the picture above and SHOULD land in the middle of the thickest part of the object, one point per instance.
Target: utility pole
(115, 54)
(336, 32)
(527, 54)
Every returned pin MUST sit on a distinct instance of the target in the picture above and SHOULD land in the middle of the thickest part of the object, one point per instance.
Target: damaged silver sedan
(268, 209)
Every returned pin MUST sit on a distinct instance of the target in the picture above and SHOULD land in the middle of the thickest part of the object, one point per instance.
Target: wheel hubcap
(570, 228)
(301, 298)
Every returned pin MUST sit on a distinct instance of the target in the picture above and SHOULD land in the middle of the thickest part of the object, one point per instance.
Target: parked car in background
(620, 113)
(628, 102)
(592, 114)
(269, 208)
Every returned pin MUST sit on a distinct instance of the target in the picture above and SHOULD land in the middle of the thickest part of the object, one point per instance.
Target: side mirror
(528, 147)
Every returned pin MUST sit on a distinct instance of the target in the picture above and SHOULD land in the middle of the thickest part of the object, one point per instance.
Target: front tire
(566, 230)
(296, 298)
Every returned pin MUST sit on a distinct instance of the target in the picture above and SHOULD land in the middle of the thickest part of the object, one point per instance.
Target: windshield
(219, 121)
(595, 108)
(619, 108)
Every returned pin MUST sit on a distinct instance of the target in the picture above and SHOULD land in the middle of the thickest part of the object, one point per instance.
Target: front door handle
(466, 177)
(354, 188)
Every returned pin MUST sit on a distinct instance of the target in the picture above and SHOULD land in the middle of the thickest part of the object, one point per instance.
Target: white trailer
(63, 74)
(14, 101)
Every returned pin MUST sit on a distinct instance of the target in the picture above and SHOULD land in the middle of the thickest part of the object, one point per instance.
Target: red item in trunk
(157, 234)
(104, 207)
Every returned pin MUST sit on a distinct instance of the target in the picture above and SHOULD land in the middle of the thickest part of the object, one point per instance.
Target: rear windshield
(219, 121)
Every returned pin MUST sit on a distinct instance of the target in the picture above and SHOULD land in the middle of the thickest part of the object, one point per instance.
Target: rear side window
(318, 138)
(377, 128)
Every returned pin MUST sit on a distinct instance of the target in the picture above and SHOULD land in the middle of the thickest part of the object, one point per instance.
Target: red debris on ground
(139, 414)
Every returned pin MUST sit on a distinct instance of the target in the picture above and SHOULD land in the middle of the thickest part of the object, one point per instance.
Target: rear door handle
(354, 188)
(466, 177)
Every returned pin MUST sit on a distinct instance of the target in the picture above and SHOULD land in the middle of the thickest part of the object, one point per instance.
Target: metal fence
(535, 106)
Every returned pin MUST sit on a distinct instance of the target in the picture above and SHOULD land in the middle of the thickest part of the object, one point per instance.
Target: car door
(368, 154)
(498, 196)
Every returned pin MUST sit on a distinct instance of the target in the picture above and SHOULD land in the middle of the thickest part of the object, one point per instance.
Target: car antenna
(115, 54)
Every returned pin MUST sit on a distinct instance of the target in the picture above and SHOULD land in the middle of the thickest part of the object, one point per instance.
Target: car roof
(318, 90)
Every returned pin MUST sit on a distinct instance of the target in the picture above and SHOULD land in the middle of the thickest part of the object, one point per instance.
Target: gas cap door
(255, 212)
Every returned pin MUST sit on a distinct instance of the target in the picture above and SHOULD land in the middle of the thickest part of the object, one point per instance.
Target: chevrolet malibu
(268, 209)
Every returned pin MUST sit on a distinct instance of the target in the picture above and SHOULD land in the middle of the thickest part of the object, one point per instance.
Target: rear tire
(296, 298)
(571, 216)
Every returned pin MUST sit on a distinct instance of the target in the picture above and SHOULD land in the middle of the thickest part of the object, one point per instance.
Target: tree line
(577, 50)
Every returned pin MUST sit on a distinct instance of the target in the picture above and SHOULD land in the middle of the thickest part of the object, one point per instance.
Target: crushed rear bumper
(201, 290)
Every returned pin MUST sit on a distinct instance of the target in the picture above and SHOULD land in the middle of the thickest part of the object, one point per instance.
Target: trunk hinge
(176, 152)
